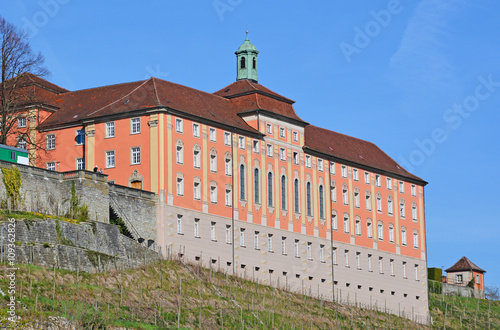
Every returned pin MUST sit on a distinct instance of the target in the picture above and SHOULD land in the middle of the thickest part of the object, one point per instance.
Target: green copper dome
(246, 61)
(247, 46)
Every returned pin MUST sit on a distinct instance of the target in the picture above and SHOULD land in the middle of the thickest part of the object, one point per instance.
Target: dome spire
(246, 60)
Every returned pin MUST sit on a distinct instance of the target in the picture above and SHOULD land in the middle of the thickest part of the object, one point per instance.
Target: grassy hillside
(168, 294)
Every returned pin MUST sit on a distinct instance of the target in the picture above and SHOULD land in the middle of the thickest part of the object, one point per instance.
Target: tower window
(243, 64)
(254, 63)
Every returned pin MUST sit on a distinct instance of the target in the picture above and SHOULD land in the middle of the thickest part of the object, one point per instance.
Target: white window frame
(80, 163)
(51, 141)
(321, 253)
(343, 171)
(296, 248)
(332, 168)
(295, 135)
(308, 161)
(378, 180)
(196, 227)
(179, 125)
(283, 245)
(391, 234)
(282, 132)
(197, 190)
(296, 158)
(381, 265)
(196, 130)
(282, 153)
(367, 177)
(320, 165)
(415, 240)
(404, 238)
(135, 125)
(346, 224)
(227, 138)
(110, 158)
(414, 213)
(309, 251)
(110, 130)
(389, 183)
(255, 146)
(269, 242)
(213, 231)
(404, 269)
(358, 261)
(180, 186)
(401, 187)
(228, 196)
(21, 122)
(380, 231)
(346, 257)
(213, 193)
(391, 266)
(179, 224)
(135, 155)
(355, 174)
(242, 237)
(228, 234)
(256, 240)
(413, 190)
(51, 166)
(269, 149)
(369, 262)
(269, 128)
(369, 230)
(241, 142)
(212, 134)
(334, 255)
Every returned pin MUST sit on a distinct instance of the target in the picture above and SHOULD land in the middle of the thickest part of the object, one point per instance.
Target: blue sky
(421, 79)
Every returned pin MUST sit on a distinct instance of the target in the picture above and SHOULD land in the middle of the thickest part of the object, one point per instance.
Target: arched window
(308, 199)
(270, 190)
(296, 195)
(228, 164)
(283, 192)
(403, 236)
(414, 211)
(196, 156)
(333, 192)
(357, 226)
(242, 182)
(368, 200)
(356, 197)
(402, 208)
(334, 220)
(379, 202)
(389, 205)
(254, 65)
(213, 160)
(256, 185)
(345, 196)
(391, 233)
(321, 202)
(346, 223)
(213, 192)
(243, 63)
(369, 229)
(415, 239)
(380, 231)
(179, 152)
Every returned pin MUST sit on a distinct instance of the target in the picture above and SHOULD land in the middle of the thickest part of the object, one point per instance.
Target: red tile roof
(352, 149)
(464, 264)
(28, 79)
(152, 93)
(246, 86)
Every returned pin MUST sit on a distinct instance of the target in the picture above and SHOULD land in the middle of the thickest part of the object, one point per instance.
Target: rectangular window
(270, 242)
(283, 245)
(413, 190)
(110, 159)
(256, 240)
(389, 183)
(322, 253)
(379, 204)
(79, 137)
(135, 155)
(242, 236)
(391, 264)
(369, 232)
(367, 177)
(343, 171)
(320, 165)
(295, 158)
(269, 128)
(355, 174)
(308, 161)
(414, 212)
(80, 163)
(401, 187)
(180, 186)
(404, 269)
(334, 255)
(196, 130)
(334, 221)
(369, 262)
(256, 147)
(227, 138)
(358, 227)
(282, 132)
(21, 122)
(179, 224)
(459, 278)
(228, 234)
(380, 265)
(332, 168)
(309, 251)
(228, 197)
(296, 248)
(282, 154)
(212, 134)
(196, 227)
(269, 149)
(110, 129)
(135, 125)
(241, 142)
(346, 257)
(196, 190)
(178, 125)
(358, 262)
(51, 166)
(416, 275)
(213, 194)
(377, 180)
(213, 236)
(478, 281)
(380, 232)
(295, 136)
(51, 141)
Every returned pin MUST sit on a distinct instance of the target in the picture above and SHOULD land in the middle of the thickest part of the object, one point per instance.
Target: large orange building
(247, 186)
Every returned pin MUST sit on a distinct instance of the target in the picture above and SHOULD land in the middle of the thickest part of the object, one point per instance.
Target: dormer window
(243, 64)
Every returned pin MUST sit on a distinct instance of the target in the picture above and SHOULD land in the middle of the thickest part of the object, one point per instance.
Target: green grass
(141, 298)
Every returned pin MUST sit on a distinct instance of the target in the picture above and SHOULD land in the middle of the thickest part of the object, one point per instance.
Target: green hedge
(435, 287)
(434, 274)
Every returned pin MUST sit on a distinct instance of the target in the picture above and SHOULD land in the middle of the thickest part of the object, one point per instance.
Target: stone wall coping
(131, 192)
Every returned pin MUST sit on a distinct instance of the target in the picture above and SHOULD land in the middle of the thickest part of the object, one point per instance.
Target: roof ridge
(156, 91)
(105, 86)
(119, 99)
